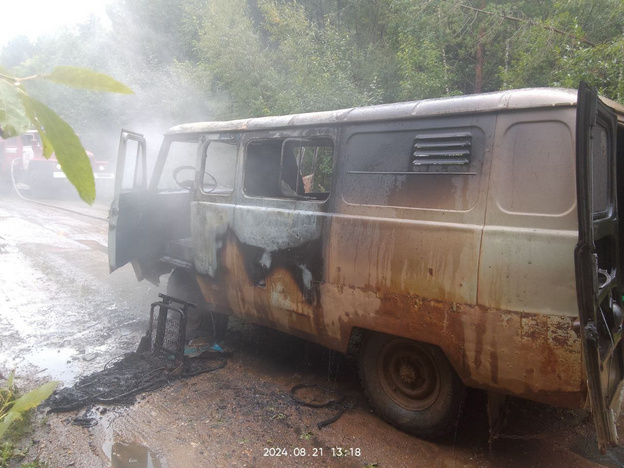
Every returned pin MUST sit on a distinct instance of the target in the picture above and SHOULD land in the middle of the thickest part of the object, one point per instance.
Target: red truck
(22, 162)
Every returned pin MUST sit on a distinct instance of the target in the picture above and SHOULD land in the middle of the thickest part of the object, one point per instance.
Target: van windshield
(179, 165)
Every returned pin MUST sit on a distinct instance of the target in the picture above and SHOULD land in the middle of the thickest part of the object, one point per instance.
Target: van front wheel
(411, 385)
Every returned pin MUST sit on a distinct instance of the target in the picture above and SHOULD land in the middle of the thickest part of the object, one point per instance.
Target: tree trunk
(480, 59)
(479, 67)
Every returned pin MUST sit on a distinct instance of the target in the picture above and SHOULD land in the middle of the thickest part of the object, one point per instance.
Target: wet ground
(62, 317)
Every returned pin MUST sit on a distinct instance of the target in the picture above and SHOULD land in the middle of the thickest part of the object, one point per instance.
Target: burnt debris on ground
(162, 357)
(134, 373)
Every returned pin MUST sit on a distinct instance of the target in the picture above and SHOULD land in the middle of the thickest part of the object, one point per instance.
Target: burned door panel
(280, 230)
(210, 223)
(272, 240)
(212, 220)
(269, 249)
(281, 265)
(152, 219)
(125, 231)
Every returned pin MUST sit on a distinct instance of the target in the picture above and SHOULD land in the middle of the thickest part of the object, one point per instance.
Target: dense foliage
(191, 60)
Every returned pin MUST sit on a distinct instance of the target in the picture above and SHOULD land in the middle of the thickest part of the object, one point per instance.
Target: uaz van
(465, 241)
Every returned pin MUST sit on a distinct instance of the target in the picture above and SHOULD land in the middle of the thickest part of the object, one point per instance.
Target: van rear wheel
(200, 321)
(411, 385)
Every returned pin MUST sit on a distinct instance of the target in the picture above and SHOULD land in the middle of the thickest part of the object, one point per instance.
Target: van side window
(219, 167)
(536, 175)
(601, 164)
(298, 168)
(431, 169)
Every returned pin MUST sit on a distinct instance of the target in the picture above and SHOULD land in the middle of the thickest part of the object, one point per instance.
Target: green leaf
(13, 120)
(77, 77)
(70, 153)
(33, 398)
(10, 380)
(48, 149)
(7, 420)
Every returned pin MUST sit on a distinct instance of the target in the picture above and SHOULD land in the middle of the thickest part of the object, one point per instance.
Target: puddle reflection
(130, 454)
(55, 363)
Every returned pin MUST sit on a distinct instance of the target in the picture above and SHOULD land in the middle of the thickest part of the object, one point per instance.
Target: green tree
(207, 59)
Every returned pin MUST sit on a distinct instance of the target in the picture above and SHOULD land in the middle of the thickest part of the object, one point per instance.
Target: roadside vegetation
(15, 412)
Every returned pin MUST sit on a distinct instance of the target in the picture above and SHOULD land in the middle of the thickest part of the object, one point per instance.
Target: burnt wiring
(338, 403)
(135, 373)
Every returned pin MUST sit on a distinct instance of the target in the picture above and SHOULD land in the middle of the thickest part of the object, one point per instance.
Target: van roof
(487, 102)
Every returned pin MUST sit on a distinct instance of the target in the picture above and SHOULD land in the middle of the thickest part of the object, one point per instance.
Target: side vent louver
(437, 151)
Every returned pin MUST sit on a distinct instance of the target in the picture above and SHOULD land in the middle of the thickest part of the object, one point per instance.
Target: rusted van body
(440, 227)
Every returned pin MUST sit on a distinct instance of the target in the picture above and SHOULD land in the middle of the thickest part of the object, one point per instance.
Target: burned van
(465, 241)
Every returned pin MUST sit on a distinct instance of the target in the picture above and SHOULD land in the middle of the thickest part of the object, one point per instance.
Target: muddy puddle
(123, 454)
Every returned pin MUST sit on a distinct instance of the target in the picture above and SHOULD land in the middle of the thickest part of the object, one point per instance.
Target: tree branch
(13, 80)
(533, 23)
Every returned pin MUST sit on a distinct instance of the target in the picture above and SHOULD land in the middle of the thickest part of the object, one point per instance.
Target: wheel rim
(408, 374)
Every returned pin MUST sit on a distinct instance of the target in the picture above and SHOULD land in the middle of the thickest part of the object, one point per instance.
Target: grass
(10, 455)
(15, 421)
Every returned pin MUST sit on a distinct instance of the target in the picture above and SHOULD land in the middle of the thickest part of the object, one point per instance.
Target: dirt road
(62, 316)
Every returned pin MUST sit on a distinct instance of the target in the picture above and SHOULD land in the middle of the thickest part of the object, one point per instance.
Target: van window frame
(204, 144)
(498, 215)
(328, 134)
(476, 170)
(163, 153)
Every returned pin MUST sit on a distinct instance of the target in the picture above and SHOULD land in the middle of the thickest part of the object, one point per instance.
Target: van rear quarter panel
(494, 288)
(527, 259)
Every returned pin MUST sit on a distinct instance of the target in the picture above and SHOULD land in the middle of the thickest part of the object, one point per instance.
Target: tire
(200, 322)
(411, 385)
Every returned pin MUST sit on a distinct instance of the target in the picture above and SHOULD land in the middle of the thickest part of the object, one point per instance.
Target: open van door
(597, 261)
(126, 224)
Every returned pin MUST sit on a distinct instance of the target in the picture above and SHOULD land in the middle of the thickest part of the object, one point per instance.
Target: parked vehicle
(468, 240)
(31, 170)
